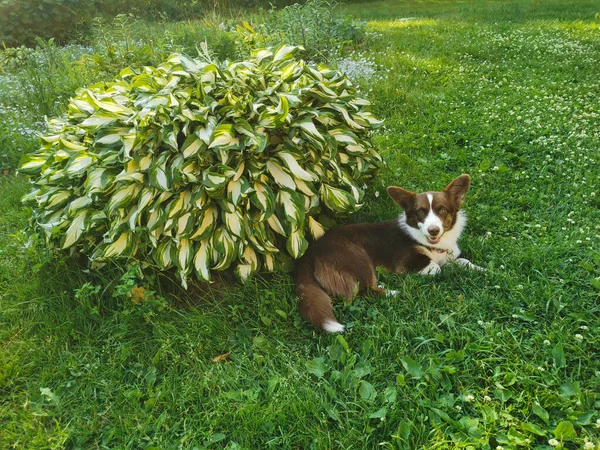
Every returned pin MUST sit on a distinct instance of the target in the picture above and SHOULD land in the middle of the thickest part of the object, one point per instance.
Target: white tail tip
(331, 326)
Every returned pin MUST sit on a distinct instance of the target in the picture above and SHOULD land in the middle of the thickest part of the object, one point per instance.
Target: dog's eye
(421, 212)
(443, 211)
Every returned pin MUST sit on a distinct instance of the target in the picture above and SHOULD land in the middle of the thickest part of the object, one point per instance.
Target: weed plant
(507, 359)
(316, 25)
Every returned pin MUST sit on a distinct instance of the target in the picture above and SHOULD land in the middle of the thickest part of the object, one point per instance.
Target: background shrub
(316, 25)
(201, 165)
(21, 21)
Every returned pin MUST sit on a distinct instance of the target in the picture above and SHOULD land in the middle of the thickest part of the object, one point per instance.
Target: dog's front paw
(463, 262)
(388, 292)
(431, 269)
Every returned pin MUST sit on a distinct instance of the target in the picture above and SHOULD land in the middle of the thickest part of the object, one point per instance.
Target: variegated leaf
(280, 176)
(122, 245)
(202, 260)
(295, 168)
(75, 229)
(296, 244)
(316, 229)
(337, 199)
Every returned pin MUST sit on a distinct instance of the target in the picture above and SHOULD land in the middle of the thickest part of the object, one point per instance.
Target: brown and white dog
(343, 262)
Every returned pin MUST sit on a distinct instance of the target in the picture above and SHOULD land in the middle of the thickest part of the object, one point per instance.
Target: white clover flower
(546, 342)
(597, 423)
(588, 445)
(553, 443)
(469, 398)
(579, 337)
(487, 398)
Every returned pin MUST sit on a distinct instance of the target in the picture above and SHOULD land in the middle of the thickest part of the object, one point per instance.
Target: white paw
(389, 292)
(466, 263)
(431, 269)
(331, 326)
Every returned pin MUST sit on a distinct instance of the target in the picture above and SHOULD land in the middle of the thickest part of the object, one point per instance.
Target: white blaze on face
(431, 220)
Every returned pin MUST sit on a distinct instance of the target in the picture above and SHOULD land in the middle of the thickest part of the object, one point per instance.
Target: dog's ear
(404, 198)
(457, 189)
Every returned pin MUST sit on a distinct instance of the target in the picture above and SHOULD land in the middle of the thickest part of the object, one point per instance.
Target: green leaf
(412, 367)
(366, 391)
(533, 428)
(558, 356)
(516, 438)
(317, 367)
(379, 414)
(565, 431)
(539, 411)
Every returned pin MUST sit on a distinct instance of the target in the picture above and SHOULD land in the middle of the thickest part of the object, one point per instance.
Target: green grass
(505, 91)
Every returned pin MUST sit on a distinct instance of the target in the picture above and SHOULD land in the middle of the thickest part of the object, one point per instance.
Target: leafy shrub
(14, 58)
(49, 75)
(21, 21)
(181, 9)
(200, 164)
(115, 46)
(185, 37)
(315, 25)
(125, 41)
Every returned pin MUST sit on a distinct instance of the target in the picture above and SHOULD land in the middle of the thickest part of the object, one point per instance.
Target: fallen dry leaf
(222, 357)
(138, 295)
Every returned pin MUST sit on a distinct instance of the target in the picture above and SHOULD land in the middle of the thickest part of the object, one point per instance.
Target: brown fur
(343, 262)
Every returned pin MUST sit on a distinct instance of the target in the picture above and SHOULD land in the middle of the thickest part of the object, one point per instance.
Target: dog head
(432, 214)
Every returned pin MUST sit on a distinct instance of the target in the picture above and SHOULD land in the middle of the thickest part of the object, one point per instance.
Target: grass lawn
(507, 91)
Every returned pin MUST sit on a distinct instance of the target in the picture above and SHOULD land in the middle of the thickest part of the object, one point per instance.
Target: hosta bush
(201, 165)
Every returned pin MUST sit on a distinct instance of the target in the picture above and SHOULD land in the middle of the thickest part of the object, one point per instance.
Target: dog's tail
(314, 303)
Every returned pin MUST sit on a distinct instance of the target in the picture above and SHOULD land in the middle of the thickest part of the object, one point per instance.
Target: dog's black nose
(433, 231)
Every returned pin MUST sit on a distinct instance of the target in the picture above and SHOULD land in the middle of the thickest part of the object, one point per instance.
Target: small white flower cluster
(361, 69)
